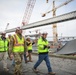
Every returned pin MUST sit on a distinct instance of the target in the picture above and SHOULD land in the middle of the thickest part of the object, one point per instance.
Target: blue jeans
(25, 58)
(44, 57)
(13, 62)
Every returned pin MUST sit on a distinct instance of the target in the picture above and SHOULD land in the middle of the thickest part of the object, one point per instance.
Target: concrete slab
(69, 48)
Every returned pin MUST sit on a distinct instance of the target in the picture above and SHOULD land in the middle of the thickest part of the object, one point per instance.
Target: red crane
(28, 11)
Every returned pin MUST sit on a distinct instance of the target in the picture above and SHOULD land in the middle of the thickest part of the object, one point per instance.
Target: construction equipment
(28, 12)
(7, 26)
(55, 35)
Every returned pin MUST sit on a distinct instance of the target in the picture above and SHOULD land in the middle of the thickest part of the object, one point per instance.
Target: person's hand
(46, 46)
(11, 56)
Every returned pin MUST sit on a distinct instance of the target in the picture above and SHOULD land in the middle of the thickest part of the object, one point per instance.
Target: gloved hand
(46, 46)
(28, 44)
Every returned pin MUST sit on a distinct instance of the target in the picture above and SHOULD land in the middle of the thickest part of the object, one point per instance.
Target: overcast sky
(12, 12)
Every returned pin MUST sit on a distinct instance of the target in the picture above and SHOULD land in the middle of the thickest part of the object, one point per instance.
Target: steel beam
(50, 21)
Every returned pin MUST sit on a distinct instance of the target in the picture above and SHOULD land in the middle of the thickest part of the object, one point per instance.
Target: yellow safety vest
(30, 46)
(41, 44)
(18, 44)
(8, 39)
(3, 45)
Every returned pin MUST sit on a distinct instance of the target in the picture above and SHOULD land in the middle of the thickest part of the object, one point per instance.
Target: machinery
(55, 35)
(28, 11)
(7, 26)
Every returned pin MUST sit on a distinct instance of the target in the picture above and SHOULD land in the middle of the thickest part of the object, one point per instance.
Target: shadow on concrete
(5, 73)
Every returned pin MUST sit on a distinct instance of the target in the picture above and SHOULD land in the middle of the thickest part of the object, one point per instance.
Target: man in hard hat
(29, 48)
(17, 46)
(4, 50)
(43, 49)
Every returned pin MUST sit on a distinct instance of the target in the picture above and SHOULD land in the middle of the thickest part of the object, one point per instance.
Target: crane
(28, 11)
(6, 26)
(27, 14)
(55, 35)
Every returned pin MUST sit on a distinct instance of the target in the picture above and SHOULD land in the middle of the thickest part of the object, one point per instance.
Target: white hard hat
(27, 37)
(44, 33)
(18, 28)
(9, 35)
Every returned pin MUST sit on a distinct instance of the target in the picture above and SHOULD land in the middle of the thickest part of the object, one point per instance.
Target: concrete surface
(69, 48)
(59, 65)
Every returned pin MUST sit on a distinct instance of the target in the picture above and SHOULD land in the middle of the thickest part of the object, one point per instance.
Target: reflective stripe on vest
(41, 44)
(18, 44)
(3, 45)
(30, 46)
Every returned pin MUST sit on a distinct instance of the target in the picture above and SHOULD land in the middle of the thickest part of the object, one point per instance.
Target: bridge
(50, 21)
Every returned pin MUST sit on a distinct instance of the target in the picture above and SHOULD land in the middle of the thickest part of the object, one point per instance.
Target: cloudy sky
(12, 12)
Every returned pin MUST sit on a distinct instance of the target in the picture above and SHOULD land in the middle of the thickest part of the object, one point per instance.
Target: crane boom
(65, 3)
(28, 11)
(6, 26)
(55, 35)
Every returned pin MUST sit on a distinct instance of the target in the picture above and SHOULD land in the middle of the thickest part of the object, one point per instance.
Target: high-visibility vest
(3, 45)
(30, 46)
(18, 44)
(8, 39)
(41, 44)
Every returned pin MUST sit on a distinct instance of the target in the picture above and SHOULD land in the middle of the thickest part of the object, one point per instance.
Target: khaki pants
(18, 63)
(3, 57)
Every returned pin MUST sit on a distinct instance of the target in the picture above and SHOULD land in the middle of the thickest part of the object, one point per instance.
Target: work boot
(51, 73)
(35, 70)
(29, 61)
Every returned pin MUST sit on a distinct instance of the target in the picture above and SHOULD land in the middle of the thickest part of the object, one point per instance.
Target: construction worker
(4, 50)
(43, 49)
(29, 48)
(17, 46)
